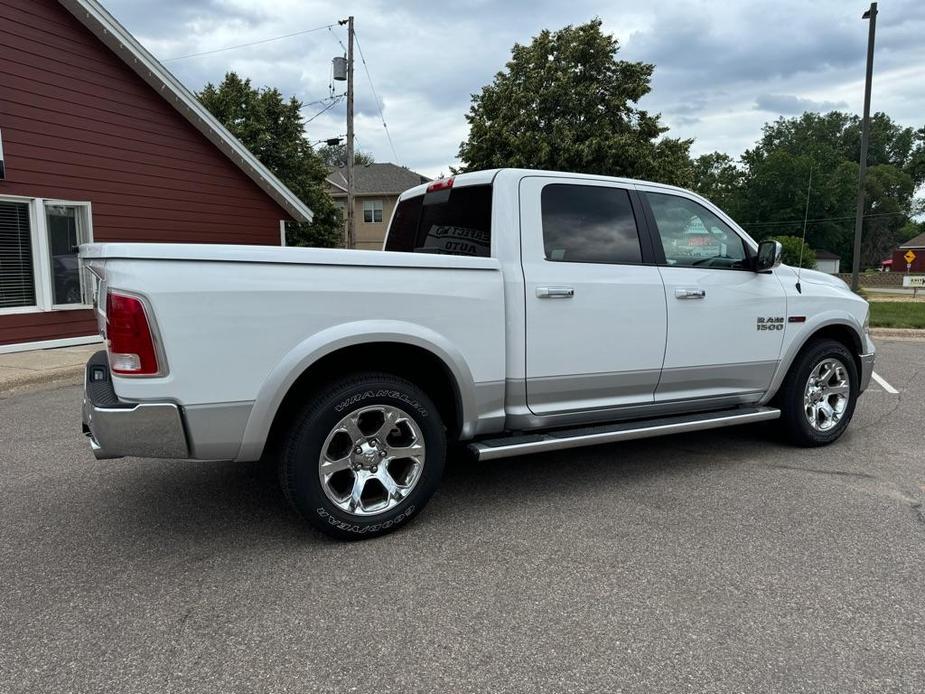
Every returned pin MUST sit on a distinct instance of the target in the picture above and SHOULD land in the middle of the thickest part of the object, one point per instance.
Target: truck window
(456, 221)
(404, 227)
(693, 236)
(589, 224)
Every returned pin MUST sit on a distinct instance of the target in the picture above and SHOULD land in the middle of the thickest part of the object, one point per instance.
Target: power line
(337, 38)
(324, 110)
(820, 219)
(245, 45)
(376, 96)
(321, 101)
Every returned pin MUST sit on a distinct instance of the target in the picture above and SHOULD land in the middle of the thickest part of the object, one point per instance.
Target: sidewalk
(64, 364)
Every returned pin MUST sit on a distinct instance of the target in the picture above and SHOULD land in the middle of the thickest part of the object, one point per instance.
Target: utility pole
(351, 222)
(871, 16)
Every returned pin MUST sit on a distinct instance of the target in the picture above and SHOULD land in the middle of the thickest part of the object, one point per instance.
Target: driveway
(712, 562)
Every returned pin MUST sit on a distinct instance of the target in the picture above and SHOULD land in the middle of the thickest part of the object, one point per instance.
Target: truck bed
(236, 323)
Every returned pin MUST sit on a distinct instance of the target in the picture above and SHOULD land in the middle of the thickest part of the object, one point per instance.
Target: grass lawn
(897, 314)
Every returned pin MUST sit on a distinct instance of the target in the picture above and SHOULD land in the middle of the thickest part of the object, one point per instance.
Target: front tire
(364, 456)
(818, 396)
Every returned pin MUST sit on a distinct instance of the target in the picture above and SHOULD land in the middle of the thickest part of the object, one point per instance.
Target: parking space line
(883, 384)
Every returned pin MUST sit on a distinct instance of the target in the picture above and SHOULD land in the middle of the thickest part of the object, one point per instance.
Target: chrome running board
(506, 447)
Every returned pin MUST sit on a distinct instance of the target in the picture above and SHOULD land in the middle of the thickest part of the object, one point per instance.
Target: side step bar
(506, 447)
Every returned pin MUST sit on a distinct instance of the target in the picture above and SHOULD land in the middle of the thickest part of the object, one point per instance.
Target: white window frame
(41, 260)
(372, 208)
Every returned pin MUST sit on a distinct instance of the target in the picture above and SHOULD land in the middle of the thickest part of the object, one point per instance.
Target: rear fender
(328, 341)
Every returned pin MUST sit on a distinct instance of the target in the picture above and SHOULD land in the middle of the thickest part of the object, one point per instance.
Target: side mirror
(769, 255)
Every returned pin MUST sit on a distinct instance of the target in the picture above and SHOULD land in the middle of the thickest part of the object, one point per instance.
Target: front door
(595, 304)
(725, 322)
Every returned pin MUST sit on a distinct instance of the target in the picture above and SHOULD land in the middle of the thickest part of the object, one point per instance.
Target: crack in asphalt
(897, 404)
(919, 509)
(174, 651)
(817, 471)
(917, 506)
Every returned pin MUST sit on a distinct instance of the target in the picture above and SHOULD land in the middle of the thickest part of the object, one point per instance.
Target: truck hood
(816, 277)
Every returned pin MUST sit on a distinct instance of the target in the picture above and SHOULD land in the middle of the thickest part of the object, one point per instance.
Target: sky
(722, 69)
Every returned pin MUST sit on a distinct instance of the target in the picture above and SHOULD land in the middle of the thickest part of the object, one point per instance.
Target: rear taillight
(131, 344)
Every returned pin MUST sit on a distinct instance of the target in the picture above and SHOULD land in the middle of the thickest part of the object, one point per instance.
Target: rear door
(595, 304)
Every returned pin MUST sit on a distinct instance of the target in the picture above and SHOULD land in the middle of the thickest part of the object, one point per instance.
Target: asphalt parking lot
(716, 562)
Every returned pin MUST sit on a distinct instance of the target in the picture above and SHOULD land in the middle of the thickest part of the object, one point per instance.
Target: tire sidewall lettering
(364, 529)
(381, 393)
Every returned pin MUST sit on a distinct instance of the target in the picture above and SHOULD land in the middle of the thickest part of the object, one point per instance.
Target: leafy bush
(792, 255)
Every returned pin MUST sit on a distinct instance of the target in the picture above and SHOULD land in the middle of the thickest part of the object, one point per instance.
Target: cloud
(788, 104)
(711, 59)
(163, 17)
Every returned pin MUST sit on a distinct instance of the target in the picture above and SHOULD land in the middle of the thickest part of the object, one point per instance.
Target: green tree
(796, 252)
(272, 128)
(336, 155)
(717, 177)
(564, 102)
(910, 230)
(777, 170)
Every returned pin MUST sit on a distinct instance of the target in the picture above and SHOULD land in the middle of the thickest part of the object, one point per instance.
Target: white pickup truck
(514, 311)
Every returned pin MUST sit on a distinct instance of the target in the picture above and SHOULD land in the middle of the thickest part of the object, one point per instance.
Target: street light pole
(871, 16)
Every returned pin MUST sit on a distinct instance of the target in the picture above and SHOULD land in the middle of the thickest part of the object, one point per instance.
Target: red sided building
(916, 247)
(99, 142)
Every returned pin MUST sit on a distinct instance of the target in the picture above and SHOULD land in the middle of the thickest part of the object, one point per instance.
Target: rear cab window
(449, 221)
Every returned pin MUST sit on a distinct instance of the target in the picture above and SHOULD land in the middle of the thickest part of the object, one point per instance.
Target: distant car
(518, 311)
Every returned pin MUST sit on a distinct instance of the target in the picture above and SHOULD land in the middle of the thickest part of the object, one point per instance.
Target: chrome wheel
(825, 398)
(371, 460)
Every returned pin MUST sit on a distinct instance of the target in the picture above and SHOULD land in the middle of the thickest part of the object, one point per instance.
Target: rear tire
(818, 395)
(364, 456)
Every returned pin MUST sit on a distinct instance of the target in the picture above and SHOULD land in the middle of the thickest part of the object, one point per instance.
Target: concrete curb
(33, 379)
(898, 333)
(21, 371)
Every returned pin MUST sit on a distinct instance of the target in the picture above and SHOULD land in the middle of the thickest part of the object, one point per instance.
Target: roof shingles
(916, 242)
(377, 178)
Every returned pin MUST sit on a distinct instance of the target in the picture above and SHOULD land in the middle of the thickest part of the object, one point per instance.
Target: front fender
(806, 332)
(302, 356)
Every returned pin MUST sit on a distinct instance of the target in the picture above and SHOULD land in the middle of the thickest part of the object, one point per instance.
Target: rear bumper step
(507, 447)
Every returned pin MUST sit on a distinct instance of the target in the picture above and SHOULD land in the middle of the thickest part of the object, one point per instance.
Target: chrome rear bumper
(117, 428)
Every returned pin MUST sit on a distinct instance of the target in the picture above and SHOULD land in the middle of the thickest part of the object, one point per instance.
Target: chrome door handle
(554, 292)
(690, 293)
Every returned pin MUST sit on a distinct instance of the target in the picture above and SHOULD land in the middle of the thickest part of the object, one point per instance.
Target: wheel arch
(840, 329)
(405, 350)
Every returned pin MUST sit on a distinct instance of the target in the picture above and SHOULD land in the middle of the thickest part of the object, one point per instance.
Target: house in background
(917, 246)
(101, 143)
(826, 261)
(376, 190)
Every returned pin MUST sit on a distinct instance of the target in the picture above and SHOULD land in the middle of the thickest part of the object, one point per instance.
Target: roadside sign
(909, 256)
(914, 281)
